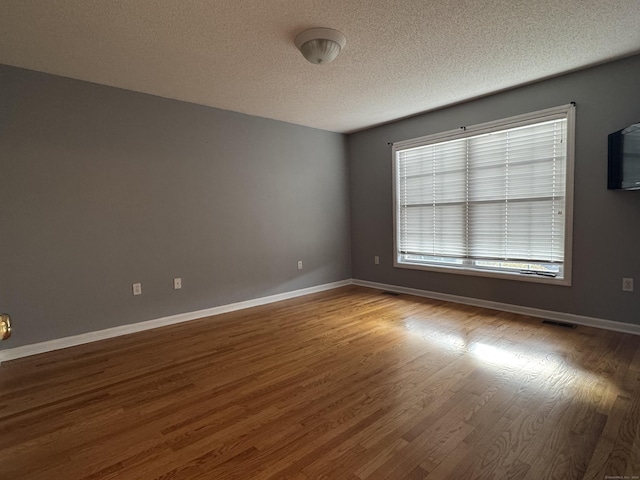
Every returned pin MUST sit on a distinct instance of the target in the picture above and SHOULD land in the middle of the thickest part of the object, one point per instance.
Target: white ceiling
(402, 56)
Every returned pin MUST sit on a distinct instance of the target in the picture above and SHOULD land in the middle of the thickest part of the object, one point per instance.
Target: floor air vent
(559, 324)
(393, 294)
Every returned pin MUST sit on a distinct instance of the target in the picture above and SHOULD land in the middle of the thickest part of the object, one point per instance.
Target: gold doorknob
(5, 326)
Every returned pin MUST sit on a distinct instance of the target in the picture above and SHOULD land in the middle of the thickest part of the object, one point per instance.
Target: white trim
(58, 343)
(507, 307)
(568, 198)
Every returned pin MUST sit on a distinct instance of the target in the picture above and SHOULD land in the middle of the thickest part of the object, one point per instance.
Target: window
(494, 199)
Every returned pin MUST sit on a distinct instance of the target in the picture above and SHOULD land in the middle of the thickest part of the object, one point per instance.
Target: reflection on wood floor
(346, 384)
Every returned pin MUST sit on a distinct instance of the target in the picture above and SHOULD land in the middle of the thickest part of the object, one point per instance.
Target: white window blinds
(488, 199)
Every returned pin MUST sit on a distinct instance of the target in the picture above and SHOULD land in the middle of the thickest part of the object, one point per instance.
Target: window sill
(519, 277)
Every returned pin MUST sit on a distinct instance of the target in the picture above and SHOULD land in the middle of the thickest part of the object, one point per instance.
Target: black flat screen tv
(624, 159)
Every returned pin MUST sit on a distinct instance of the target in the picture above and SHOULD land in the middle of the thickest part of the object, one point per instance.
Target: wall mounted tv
(624, 159)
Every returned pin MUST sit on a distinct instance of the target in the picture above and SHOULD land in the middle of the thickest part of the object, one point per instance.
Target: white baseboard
(58, 343)
(48, 346)
(507, 307)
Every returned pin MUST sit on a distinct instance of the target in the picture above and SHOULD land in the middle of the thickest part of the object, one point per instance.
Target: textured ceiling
(402, 57)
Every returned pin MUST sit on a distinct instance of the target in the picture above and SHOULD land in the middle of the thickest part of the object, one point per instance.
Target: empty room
(319, 240)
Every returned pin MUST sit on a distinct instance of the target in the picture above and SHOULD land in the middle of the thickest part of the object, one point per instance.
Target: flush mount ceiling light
(320, 45)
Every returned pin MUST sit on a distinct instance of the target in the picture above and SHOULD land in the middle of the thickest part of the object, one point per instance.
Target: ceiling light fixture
(320, 45)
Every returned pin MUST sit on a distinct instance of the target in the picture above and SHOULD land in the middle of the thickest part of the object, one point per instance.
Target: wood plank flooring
(350, 384)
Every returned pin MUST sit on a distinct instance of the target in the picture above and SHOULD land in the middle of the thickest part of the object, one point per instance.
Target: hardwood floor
(347, 384)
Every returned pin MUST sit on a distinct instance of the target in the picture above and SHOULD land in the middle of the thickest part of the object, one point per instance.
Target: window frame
(563, 111)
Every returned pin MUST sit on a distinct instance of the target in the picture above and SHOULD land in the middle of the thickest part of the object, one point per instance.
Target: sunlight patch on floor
(526, 360)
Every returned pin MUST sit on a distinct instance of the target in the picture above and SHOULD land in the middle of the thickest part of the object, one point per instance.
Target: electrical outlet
(299, 264)
(177, 283)
(627, 284)
(137, 288)
(376, 260)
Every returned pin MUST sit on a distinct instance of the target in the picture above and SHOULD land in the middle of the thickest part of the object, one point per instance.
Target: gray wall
(102, 187)
(606, 244)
